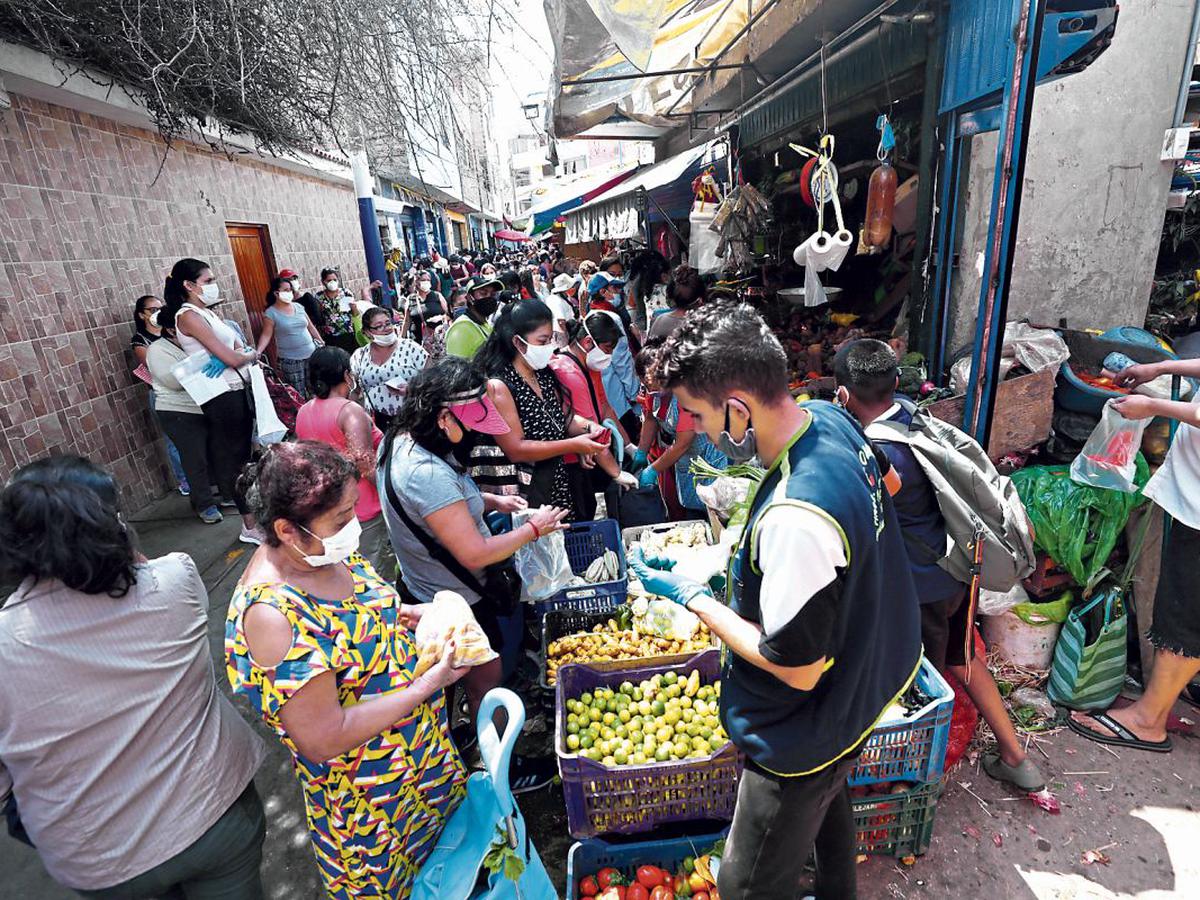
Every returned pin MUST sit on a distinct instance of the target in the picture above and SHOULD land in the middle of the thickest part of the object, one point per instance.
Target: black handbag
(501, 584)
(633, 508)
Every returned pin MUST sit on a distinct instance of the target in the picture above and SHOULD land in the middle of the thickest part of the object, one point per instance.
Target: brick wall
(91, 218)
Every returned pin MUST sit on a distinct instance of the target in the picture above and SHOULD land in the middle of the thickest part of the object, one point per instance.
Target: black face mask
(441, 445)
(484, 306)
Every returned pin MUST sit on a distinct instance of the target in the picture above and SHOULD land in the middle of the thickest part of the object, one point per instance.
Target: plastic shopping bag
(543, 565)
(1109, 458)
(268, 429)
(702, 249)
(447, 618)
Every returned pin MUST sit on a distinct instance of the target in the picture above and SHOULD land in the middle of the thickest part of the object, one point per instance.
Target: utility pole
(364, 189)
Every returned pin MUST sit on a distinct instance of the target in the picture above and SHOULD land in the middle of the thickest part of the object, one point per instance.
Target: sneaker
(211, 516)
(226, 504)
(185, 489)
(529, 773)
(464, 736)
(253, 535)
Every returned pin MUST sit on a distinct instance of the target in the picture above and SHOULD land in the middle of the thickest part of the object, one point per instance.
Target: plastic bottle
(881, 201)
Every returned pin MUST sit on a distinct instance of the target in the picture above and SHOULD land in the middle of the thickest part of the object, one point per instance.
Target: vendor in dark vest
(820, 624)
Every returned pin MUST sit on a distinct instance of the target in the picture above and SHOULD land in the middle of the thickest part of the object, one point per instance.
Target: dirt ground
(1141, 810)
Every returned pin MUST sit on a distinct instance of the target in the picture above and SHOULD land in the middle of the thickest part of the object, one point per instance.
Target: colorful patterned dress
(374, 813)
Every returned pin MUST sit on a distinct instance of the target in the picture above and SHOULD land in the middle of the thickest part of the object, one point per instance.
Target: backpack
(973, 497)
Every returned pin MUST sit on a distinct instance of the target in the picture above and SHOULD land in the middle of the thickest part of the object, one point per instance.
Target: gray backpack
(973, 497)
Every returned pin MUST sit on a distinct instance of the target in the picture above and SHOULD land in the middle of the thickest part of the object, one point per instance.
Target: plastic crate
(633, 799)
(914, 748)
(590, 856)
(896, 824)
(632, 535)
(584, 542)
(561, 622)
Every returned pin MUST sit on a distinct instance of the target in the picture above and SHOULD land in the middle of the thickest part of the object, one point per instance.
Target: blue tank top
(292, 340)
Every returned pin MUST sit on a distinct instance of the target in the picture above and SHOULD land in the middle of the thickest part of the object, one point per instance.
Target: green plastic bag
(1076, 524)
(1053, 611)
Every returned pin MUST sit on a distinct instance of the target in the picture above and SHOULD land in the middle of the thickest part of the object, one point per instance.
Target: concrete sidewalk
(1143, 808)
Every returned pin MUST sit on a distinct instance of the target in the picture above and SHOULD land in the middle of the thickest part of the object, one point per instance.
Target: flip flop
(1027, 777)
(1120, 737)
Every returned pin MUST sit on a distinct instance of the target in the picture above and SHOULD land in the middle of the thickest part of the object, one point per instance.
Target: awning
(510, 235)
(614, 215)
(561, 198)
(606, 38)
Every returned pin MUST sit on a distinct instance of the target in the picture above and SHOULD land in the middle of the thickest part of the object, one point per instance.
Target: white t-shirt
(799, 553)
(223, 332)
(1176, 486)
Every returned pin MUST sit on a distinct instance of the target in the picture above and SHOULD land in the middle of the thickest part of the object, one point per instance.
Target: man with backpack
(943, 469)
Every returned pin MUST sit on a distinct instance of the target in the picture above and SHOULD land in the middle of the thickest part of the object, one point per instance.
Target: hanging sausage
(881, 192)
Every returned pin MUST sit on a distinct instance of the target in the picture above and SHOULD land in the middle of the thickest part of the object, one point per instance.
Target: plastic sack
(1076, 524)
(1051, 612)
(997, 603)
(543, 565)
(449, 618)
(702, 246)
(664, 618)
(1109, 458)
(724, 494)
(1034, 348)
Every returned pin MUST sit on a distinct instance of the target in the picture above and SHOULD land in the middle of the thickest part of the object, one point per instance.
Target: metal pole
(364, 189)
(660, 73)
(1188, 61)
(1002, 227)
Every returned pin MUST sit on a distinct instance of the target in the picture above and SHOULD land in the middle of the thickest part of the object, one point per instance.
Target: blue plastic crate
(585, 541)
(588, 857)
(914, 748)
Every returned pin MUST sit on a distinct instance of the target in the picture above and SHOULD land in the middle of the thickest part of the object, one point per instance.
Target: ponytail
(174, 292)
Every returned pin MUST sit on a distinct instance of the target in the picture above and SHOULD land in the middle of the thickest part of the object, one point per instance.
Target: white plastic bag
(268, 429)
(1034, 348)
(543, 565)
(663, 618)
(200, 387)
(1109, 458)
(997, 603)
(449, 618)
(703, 243)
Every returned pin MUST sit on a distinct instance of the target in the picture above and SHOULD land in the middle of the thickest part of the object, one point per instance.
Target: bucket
(1019, 642)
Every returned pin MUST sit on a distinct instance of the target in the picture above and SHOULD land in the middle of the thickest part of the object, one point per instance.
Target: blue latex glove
(653, 573)
(214, 367)
(640, 457)
(648, 478)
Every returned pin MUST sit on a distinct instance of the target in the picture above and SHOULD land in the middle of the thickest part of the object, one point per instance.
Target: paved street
(1143, 809)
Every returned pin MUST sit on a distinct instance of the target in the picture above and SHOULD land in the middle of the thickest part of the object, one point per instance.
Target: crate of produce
(615, 649)
(630, 797)
(586, 542)
(586, 859)
(912, 748)
(895, 824)
(632, 535)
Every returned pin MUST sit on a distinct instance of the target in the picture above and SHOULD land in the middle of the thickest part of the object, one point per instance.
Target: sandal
(1026, 777)
(1120, 735)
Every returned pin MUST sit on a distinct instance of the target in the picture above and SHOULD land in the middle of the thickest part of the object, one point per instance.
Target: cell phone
(603, 437)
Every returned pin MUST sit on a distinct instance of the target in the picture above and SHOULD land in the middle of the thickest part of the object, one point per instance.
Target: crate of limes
(638, 748)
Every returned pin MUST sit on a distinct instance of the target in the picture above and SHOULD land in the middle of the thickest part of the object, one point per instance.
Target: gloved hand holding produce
(648, 478)
(656, 578)
(448, 632)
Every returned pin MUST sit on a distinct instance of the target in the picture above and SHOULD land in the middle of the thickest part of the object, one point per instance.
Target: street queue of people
(431, 424)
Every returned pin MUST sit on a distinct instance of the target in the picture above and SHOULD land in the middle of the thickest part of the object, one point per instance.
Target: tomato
(609, 876)
(700, 895)
(588, 887)
(650, 876)
(661, 893)
(612, 892)
(637, 892)
(669, 881)
(697, 883)
(682, 888)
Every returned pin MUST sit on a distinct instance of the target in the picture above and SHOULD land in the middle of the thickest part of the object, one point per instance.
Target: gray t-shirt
(119, 747)
(292, 339)
(424, 484)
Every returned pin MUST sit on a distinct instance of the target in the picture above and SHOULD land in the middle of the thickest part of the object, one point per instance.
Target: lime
(659, 708)
(585, 741)
(669, 678)
(607, 733)
(608, 761)
(609, 718)
(594, 714)
(573, 742)
(624, 715)
(639, 758)
(621, 758)
(572, 727)
(637, 693)
(663, 753)
(627, 687)
(585, 699)
(664, 735)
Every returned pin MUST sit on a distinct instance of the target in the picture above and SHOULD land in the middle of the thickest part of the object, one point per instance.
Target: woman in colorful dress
(323, 648)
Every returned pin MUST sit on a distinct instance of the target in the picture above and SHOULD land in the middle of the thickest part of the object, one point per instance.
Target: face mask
(296, 286)
(154, 318)
(285, 296)
(597, 360)
(485, 306)
(210, 292)
(385, 340)
(538, 357)
(737, 451)
(337, 547)
(424, 287)
(332, 285)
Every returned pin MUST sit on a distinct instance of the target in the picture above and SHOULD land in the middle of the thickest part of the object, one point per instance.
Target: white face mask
(537, 356)
(286, 296)
(332, 285)
(597, 360)
(210, 292)
(154, 319)
(296, 286)
(424, 286)
(337, 547)
(385, 340)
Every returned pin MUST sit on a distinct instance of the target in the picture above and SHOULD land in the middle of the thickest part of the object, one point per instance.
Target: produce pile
(618, 640)
(657, 543)
(694, 877)
(601, 570)
(664, 718)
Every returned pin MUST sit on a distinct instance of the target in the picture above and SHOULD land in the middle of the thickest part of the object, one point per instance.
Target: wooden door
(255, 264)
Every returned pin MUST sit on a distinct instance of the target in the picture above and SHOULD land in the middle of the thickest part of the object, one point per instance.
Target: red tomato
(588, 887)
(637, 892)
(669, 881)
(650, 876)
(661, 893)
(612, 892)
(609, 876)
(700, 895)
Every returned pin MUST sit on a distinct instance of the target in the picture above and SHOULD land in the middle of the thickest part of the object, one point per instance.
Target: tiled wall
(90, 218)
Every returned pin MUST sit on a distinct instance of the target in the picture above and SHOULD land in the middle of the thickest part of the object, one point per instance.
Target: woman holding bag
(189, 291)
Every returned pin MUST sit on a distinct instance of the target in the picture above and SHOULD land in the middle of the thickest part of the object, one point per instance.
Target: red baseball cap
(288, 273)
